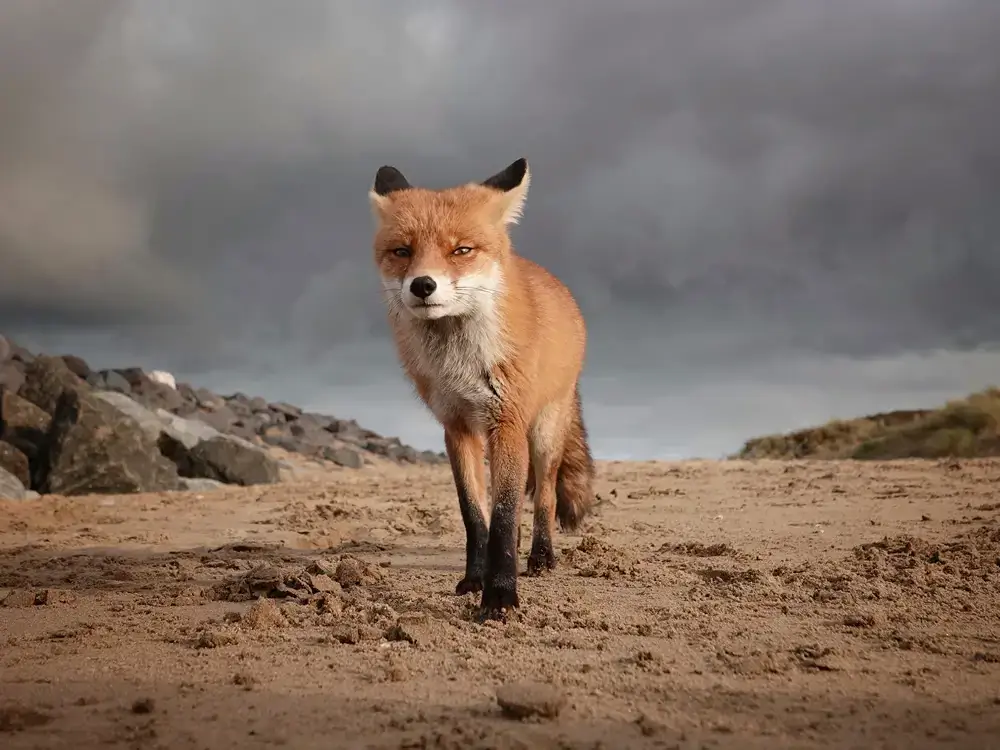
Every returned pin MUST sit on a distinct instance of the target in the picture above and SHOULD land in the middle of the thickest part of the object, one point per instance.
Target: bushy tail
(575, 482)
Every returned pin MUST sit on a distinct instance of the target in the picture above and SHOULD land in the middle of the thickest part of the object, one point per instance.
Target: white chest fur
(457, 356)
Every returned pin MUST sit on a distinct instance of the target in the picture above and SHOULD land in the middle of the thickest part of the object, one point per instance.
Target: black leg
(464, 451)
(509, 468)
(476, 538)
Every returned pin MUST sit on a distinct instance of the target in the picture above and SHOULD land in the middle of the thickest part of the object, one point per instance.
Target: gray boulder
(148, 422)
(346, 457)
(11, 487)
(45, 381)
(231, 460)
(14, 462)
(93, 447)
(187, 432)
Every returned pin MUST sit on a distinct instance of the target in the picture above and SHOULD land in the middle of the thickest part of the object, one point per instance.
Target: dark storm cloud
(721, 182)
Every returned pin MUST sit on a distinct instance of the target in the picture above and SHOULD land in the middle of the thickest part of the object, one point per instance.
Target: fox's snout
(423, 287)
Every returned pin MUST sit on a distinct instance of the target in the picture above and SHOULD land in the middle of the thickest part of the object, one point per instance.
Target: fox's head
(441, 252)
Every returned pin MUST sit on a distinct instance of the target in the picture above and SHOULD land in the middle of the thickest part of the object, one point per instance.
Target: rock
(319, 421)
(114, 381)
(93, 447)
(20, 354)
(46, 379)
(220, 417)
(158, 396)
(12, 375)
(290, 411)
(242, 430)
(25, 426)
(187, 393)
(200, 484)
(187, 432)
(163, 378)
(403, 453)
(231, 460)
(391, 448)
(349, 429)
(15, 463)
(522, 700)
(11, 487)
(5, 349)
(135, 376)
(208, 400)
(239, 403)
(258, 404)
(277, 434)
(347, 457)
(149, 422)
(77, 365)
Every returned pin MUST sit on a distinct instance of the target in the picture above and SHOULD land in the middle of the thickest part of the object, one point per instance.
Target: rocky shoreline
(68, 429)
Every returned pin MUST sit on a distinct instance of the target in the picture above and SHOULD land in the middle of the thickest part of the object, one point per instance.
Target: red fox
(494, 345)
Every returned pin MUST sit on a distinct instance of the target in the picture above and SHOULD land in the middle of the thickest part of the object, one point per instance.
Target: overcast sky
(772, 212)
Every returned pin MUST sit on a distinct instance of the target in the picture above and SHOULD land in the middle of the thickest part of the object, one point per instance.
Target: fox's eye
(461, 250)
(401, 252)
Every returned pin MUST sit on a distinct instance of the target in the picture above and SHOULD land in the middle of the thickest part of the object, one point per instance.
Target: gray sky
(772, 212)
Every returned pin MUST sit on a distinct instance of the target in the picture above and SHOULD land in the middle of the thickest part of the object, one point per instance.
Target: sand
(705, 605)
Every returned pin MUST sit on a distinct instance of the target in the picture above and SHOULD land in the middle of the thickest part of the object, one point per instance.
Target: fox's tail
(575, 482)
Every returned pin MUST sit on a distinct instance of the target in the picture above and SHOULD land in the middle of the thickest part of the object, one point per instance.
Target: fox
(494, 346)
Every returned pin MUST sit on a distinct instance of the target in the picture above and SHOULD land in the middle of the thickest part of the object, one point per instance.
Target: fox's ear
(387, 180)
(512, 185)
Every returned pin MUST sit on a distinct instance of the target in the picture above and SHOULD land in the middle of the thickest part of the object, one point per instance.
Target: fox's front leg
(465, 452)
(508, 446)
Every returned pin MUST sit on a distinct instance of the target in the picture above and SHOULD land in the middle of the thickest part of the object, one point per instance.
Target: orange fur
(495, 350)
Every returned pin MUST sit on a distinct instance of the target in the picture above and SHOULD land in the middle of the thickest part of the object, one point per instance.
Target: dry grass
(964, 428)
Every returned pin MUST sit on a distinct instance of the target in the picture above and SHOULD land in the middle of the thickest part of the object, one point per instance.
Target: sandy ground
(706, 605)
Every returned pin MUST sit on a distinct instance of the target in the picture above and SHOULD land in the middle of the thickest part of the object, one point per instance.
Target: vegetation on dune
(964, 428)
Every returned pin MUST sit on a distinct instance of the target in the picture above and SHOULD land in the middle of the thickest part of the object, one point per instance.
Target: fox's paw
(469, 585)
(498, 603)
(540, 562)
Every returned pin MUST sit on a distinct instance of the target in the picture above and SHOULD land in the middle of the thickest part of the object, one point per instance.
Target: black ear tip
(389, 179)
(510, 177)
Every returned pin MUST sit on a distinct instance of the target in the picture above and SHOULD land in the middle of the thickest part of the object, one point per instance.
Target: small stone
(522, 700)
(143, 706)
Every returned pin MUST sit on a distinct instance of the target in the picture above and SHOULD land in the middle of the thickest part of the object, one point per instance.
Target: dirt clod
(522, 700)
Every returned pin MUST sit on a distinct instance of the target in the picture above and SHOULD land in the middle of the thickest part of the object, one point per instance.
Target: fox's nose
(423, 287)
